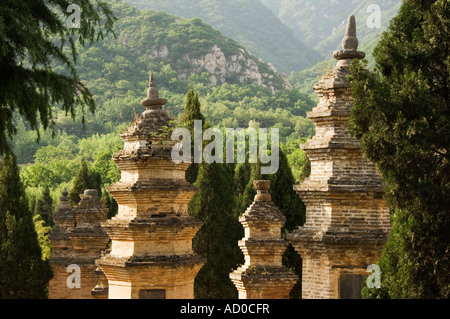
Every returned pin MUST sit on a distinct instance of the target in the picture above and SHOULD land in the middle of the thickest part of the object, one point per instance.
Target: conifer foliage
(44, 207)
(214, 204)
(23, 273)
(402, 115)
(34, 37)
(87, 178)
(192, 113)
(218, 239)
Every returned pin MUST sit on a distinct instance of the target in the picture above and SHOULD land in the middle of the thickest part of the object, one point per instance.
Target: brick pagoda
(263, 276)
(151, 255)
(347, 219)
(77, 240)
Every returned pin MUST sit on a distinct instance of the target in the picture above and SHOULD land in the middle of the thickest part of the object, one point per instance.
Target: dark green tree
(292, 207)
(110, 203)
(44, 207)
(402, 116)
(191, 113)
(241, 177)
(87, 178)
(305, 171)
(38, 42)
(218, 239)
(249, 191)
(23, 272)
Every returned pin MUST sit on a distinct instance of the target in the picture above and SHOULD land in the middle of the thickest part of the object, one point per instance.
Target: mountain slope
(186, 46)
(321, 23)
(250, 23)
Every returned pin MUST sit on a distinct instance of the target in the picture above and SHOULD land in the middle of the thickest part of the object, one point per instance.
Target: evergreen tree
(402, 115)
(281, 190)
(241, 177)
(110, 203)
(218, 239)
(44, 207)
(305, 170)
(249, 192)
(292, 207)
(192, 110)
(191, 113)
(284, 196)
(86, 179)
(23, 273)
(29, 53)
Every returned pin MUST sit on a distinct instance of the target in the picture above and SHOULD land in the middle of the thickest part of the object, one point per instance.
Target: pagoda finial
(349, 43)
(151, 80)
(262, 190)
(153, 101)
(152, 92)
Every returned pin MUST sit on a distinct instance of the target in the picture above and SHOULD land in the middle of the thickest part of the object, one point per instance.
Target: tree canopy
(402, 115)
(34, 36)
(23, 272)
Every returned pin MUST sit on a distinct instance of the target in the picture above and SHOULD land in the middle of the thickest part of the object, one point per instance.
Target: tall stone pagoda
(77, 240)
(151, 254)
(263, 276)
(347, 219)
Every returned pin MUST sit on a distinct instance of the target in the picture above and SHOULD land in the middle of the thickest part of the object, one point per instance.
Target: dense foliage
(23, 272)
(402, 115)
(34, 36)
(217, 240)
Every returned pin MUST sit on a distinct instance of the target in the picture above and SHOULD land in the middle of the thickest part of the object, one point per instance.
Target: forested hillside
(250, 23)
(116, 70)
(321, 23)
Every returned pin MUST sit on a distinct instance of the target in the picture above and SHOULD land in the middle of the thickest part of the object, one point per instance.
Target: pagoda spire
(349, 45)
(153, 102)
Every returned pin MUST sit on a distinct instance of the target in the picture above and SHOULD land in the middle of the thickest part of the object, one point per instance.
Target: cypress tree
(218, 239)
(305, 170)
(292, 207)
(402, 115)
(86, 179)
(241, 177)
(284, 196)
(191, 113)
(44, 207)
(281, 190)
(110, 203)
(23, 273)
